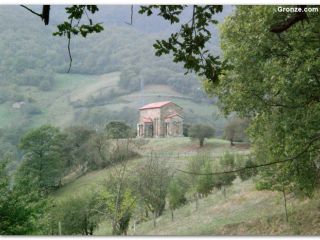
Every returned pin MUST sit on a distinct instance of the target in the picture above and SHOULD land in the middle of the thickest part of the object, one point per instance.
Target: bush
(76, 215)
(117, 130)
(205, 183)
(176, 193)
(250, 172)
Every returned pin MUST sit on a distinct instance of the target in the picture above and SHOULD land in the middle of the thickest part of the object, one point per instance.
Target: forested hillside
(113, 73)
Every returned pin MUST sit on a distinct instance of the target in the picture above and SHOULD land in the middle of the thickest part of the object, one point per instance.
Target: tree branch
(69, 50)
(289, 22)
(70, 56)
(30, 10)
(44, 15)
(131, 17)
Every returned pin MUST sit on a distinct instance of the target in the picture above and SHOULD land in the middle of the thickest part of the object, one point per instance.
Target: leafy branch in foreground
(73, 27)
(189, 44)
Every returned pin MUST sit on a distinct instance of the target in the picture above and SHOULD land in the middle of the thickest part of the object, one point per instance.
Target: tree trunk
(172, 215)
(154, 219)
(224, 192)
(201, 140)
(285, 203)
(134, 225)
(197, 203)
(59, 228)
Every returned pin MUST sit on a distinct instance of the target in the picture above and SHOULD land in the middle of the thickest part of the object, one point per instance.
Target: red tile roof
(155, 105)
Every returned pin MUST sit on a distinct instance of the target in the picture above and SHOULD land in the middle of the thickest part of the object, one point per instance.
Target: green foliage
(117, 130)
(188, 45)
(176, 193)
(186, 128)
(75, 13)
(119, 208)
(234, 130)
(226, 163)
(20, 205)
(201, 132)
(76, 214)
(205, 183)
(275, 81)
(43, 156)
(152, 184)
(78, 150)
(248, 163)
(200, 163)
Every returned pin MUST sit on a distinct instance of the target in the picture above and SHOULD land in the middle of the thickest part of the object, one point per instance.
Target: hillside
(118, 74)
(244, 211)
(75, 96)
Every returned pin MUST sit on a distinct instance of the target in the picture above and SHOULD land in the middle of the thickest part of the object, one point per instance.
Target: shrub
(117, 130)
(250, 172)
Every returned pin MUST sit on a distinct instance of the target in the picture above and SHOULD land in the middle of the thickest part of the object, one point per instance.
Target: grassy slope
(175, 151)
(246, 211)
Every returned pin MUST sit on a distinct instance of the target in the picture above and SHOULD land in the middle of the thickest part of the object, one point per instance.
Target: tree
(226, 163)
(43, 159)
(186, 127)
(199, 183)
(274, 80)
(234, 130)
(76, 142)
(117, 130)
(76, 215)
(117, 200)
(201, 132)
(176, 194)
(119, 207)
(153, 182)
(205, 183)
(20, 205)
